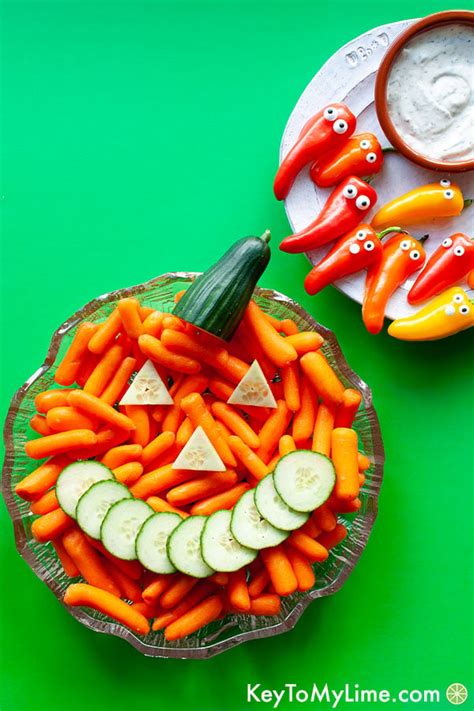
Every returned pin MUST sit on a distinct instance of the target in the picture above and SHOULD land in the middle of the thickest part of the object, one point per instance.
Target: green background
(143, 137)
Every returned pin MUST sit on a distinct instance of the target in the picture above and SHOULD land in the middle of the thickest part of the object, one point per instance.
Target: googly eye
(459, 250)
(365, 144)
(445, 183)
(354, 249)
(363, 202)
(414, 254)
(371, 157)
(405, 245)
(448, 194)
(458, 298)
(369, 246)
(464, 310)
(340, 126)
(350, 191)
(361, 234)
(447, 242)
(330, 113)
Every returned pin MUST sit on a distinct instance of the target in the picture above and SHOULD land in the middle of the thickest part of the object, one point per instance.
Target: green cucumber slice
(184, 548)
(304, 479)
(250, 528)
(95, 503)
(152, 541)
(271, 506)
(77, 478)
(220, 549)
(121, 525)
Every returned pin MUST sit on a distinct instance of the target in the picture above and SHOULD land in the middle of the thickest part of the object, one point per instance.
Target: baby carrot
(124, 453)
(51, 525)
(104, 371)
(248, 458)
(288, 327)
(310, 528)
(323, 428)
(345, 506)
(145, 311)
(159, 480)
(106, 439)
(280, 570)
(238, 592)
(274, 345)
(206, 352)
(154, 349)
(304, 419)
(322, 377)
(106, 332)
(200, 488)
(223, 390)
(91, 566)
(175, 415)
(69, 567)
(267, 605)
(236, 424)
(70, 364)
(258, 583)
(46, 503)
(220, 579)
(93, 406)
(178, 295)
(200, 591)
(173, 322)
(132, 568)
(51, 398)
(80, 594)
(344, 456)
(302, 569)
(311, 549)
(205, 612)
(273, 429)
(324, 518)
(154, 590)
(130, 317)
(363, 461)
(195, 408)
(286, 445)
(129, 588)
(362, 478)
(225, 500)
(157, 446)
(160, 505)
(149, 611)
(88, 364)
(39, 424)
(178, 589)
(333, 538)
(62, 419)
(152, 324)
(290, 378)
(305, 341)
(346, 412)
(128, 473)
(41, 479)
(184, 432)
(59, 443)
(233, 369)
(138, 414)
(255, 350)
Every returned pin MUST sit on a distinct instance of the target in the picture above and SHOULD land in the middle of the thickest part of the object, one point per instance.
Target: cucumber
(304, 479)
(121, 525)
(272, 507)
(220, 549)
(252, 530)
(94, 504)
(152, 540)
(215, 302)
(184, 548)
(75, 479)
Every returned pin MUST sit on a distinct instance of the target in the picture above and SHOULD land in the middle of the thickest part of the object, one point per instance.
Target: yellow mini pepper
(449, 313)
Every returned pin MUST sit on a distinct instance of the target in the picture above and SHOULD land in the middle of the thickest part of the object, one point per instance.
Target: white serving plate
(349, 76)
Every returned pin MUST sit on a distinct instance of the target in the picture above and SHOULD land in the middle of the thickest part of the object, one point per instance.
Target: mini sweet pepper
(360, 155)
(447, 314)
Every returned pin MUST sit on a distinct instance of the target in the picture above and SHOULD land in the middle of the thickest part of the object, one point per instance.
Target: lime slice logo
(456, 694)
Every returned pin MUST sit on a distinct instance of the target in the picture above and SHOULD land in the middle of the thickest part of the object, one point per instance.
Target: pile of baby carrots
(81, 420)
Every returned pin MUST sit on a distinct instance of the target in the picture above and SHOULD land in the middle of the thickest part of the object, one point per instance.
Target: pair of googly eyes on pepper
(448, 194)
(458, 299)
(330, 114)
(369, 246)
(370, 157)
(458, 250)
(405, 246)
(362, 202)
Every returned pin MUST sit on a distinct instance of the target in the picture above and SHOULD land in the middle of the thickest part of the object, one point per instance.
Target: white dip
(430, 93)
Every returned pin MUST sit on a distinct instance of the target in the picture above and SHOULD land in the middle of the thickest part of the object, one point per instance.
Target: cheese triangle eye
(253, 389)
(199, 454)
(147, 388)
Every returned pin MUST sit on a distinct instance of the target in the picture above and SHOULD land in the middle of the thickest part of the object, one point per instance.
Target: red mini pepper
(360, 155)
(359, 249)
(328, 129)
(343, 211)
(451, 262)
(402, 255)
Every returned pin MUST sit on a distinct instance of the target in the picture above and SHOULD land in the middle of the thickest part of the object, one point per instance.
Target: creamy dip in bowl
(425, 92)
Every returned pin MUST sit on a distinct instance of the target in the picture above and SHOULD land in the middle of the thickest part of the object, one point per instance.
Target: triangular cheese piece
(147, 388)
(199, 454)
(253, 389)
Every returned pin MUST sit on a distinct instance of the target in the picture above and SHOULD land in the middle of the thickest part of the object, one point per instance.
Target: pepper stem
(423, 239)
(387, 231)
(467, 203)
(266, 236)
(389, 149)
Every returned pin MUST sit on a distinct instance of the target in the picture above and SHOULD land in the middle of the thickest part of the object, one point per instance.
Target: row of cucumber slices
(198, 545)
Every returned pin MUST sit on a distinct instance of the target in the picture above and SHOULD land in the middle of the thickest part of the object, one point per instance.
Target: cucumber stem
(266, 236)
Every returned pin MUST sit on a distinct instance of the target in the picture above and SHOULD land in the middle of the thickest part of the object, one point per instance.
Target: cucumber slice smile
(120, 527)
(304, 479)
(152, 540)
(184, 548)
(95, 503)
(75, 480)
(272, 507)
(250, 528)
(220, 549)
